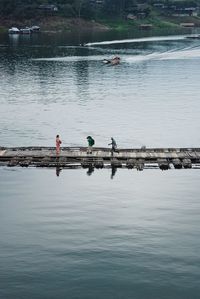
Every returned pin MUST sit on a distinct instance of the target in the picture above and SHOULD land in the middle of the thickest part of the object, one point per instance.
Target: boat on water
(35, 29)
(26, 30)
(194, 36)
(13, 30)
(113, 61)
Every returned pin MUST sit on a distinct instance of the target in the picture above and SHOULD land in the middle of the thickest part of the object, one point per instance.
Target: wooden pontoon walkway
(73, 157)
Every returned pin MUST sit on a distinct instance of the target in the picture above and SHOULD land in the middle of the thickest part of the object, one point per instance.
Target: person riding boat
(113, 61)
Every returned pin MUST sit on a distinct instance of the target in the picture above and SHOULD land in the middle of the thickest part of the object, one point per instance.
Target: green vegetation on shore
(100, 15)
(122, 24)
(2, 29)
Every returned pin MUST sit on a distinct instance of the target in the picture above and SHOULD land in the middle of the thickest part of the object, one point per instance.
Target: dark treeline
(81, 8)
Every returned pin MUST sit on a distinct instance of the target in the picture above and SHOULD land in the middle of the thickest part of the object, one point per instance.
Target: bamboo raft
(77, 157)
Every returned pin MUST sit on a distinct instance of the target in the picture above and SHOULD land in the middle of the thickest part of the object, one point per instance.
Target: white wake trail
(139, 40)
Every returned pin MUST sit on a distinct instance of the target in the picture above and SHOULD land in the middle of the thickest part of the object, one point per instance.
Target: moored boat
(35, 28)
(26, 30)
(13, 30)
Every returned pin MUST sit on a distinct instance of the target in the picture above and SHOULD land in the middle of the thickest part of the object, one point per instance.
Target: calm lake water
(128, 235)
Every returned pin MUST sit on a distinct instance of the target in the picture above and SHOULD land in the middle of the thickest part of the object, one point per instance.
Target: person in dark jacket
(114, 146)
(90, 144)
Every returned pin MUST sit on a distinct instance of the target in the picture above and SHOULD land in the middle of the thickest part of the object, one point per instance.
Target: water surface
(104, 235)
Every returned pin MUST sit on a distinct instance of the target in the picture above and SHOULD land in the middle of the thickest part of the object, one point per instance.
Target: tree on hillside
(118, 7)
(83, 8)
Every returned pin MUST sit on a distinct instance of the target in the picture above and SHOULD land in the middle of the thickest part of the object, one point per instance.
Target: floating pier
(77, 157)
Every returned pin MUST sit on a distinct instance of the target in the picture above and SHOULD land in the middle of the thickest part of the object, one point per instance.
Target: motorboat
(13, 30)
(35, 29)
(113, 61)
(26, 30)
(194, 36)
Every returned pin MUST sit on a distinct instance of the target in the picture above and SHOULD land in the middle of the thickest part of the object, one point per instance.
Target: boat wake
(138, 40)
(175, 54)
(73, 58)
(192, 53)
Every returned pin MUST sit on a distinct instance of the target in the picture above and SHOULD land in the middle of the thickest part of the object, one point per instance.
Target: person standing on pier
(58, 144)
(114, 146)
(90, 144)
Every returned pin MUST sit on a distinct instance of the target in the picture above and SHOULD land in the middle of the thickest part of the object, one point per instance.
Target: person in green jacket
(90, 144)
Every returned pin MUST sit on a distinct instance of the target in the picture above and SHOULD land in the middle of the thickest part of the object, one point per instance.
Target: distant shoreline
(56, 24)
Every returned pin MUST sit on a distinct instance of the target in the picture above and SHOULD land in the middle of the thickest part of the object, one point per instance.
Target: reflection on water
(90, 170)
(58, 171)
(113, 172)
(90, 237)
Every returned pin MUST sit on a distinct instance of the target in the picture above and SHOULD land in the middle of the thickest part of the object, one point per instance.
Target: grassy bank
(122, 25)
(157, 22)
